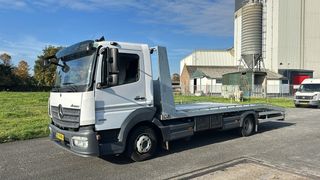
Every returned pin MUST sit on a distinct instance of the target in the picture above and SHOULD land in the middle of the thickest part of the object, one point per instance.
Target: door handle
(139, 98)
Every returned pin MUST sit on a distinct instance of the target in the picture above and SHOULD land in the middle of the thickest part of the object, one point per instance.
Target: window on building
(285, 81)
(218, 81)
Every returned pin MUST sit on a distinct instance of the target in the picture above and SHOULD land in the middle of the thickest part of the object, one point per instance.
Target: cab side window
(128, 65)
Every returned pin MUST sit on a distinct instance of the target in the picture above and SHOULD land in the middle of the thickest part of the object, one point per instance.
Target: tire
(297, 105)
(247, 128)
(142, 144)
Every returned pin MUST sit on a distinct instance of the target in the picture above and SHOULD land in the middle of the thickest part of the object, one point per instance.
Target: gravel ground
(250, 171)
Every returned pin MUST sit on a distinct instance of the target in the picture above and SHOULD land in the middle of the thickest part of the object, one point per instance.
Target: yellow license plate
(60, 136)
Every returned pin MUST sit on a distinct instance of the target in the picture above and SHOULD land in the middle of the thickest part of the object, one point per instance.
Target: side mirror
(46, 62)
(110, 70)
(113, 61)
(65, 68)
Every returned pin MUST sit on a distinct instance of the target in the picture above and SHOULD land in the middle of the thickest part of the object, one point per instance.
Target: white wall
(293, 36)
(271, 59)
(289, 36)
(276, 87)
(311, 39)
(186, 61)
(206, 85)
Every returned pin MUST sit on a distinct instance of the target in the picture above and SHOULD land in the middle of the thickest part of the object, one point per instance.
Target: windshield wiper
(55, 89)
(73, 88)
(67, 83)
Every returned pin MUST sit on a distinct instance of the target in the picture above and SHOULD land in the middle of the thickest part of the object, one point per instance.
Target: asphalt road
(293, 145)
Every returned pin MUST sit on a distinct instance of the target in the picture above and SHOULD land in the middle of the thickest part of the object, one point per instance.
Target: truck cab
(105, 83)
(308, 93)
(106, 102)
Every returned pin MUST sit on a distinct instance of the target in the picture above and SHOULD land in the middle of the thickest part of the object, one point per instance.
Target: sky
(28, 26)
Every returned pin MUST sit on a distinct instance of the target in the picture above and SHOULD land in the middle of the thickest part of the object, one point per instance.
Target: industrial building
(203, 79)
(270, 37)
(202, 70)
(290, 36)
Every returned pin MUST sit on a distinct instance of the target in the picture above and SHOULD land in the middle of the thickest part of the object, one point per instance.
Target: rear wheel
(247, 128)
(142, 144)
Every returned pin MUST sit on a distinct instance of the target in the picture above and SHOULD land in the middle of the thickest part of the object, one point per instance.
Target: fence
(282, 90)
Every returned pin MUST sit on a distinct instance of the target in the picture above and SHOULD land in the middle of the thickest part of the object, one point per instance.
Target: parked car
(308, 93)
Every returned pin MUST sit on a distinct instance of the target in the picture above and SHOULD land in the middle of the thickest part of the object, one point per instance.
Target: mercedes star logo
(60, 111)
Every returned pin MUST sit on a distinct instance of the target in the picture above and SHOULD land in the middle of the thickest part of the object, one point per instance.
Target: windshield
(310, 88)
(77, 79)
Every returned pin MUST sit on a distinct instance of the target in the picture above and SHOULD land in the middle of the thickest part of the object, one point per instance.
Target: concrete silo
(251, 35)
(249, 44)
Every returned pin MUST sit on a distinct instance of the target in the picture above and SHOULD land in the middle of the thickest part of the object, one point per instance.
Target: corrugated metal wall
(311, 51)
(289, 52)
(271, 58)
(213, 58)
(208, 58)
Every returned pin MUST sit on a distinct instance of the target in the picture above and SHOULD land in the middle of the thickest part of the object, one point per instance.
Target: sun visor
(80, 49)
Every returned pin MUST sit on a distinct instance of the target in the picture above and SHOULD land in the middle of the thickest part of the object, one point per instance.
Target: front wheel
(247, 128)
(142, 144)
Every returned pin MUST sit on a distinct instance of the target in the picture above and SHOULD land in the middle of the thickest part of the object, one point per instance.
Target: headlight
(315, 97)
(81, 142)
(50, 130)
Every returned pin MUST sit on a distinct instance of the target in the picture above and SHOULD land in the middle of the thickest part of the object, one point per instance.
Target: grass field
(23, 115)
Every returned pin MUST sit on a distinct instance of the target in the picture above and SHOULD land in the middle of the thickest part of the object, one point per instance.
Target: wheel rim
(143, 144)
(247, 126)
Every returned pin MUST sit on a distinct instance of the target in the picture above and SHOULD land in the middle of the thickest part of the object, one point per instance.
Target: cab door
(115, 103)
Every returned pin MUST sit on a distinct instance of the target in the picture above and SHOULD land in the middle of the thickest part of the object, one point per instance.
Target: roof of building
(209, 58)
(273, 75)
(216, 72)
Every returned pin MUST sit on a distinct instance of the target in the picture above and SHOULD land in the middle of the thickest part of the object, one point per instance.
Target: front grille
(304, 97)
(70, 119)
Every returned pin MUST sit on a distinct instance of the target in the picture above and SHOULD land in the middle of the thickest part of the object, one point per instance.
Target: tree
(6, 59)
(7, 77)
(22, 72)
(45, 76)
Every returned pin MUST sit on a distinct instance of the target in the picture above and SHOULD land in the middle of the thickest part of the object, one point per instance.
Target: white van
(308, 93)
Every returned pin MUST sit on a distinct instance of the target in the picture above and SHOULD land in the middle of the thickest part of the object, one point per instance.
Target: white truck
(105, 102)
(308, 93)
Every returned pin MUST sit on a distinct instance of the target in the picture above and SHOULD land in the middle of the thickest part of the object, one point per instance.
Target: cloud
(16, 4)
(213, 18)
(205, 17)
(26, 48)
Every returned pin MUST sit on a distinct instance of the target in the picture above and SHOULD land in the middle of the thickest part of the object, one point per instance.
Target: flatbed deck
(169, 110)
(207, 108)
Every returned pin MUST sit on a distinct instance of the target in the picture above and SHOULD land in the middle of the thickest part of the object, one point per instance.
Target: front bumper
(87, 132)
(95, 148)
(307, 102)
